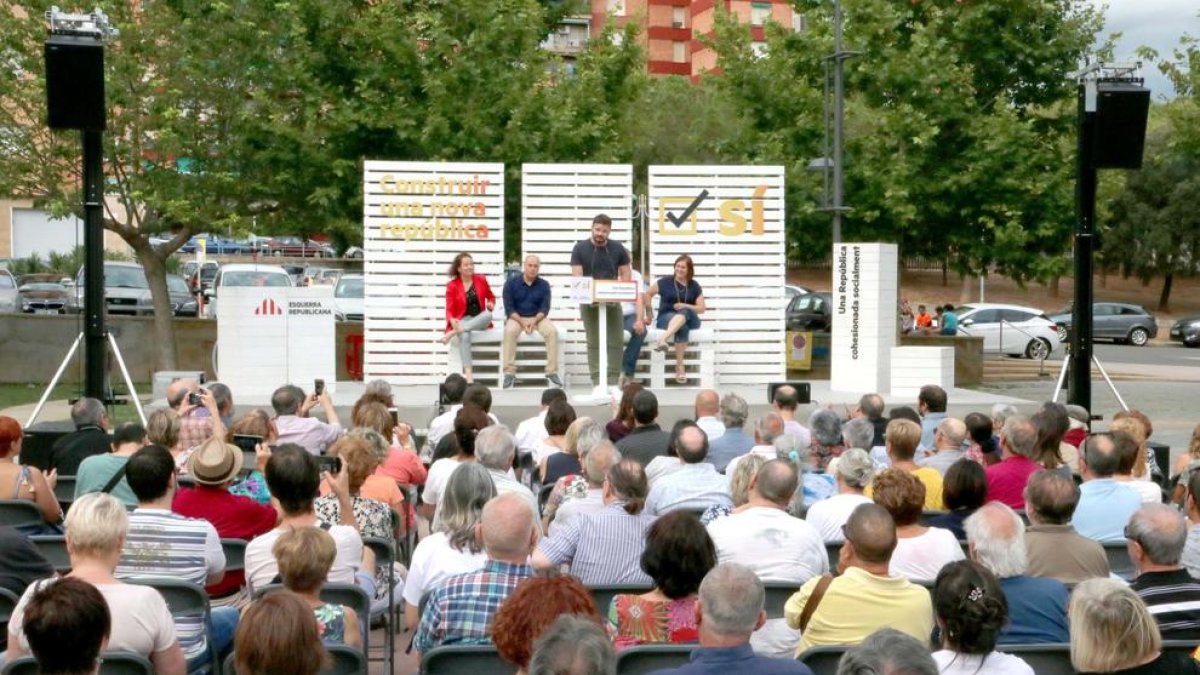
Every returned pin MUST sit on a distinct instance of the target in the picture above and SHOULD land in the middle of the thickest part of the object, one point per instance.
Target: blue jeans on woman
(632, 348)
(691, 322)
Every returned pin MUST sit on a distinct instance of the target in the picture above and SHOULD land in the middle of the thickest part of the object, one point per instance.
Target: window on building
(617, 7)
(679, 17)
(759, 49)
(678, 52)
(760, 12)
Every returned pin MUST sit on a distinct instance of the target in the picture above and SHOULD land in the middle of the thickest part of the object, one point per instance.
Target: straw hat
(214, 462)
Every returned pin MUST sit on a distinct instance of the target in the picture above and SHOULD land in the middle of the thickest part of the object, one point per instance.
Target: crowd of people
(952, 539)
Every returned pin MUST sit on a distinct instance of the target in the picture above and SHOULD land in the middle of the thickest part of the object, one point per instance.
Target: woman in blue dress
(679, 308)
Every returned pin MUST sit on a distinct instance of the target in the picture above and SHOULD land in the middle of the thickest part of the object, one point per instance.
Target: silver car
(8, 292)
(126, 290)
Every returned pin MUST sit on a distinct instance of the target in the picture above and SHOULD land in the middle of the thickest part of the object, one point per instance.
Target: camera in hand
(194, 398)
(395, 412)
(247, 442)
(318, 386)
(331, 464)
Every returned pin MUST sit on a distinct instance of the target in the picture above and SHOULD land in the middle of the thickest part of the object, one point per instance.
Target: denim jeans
(691, 322)
(632, 348)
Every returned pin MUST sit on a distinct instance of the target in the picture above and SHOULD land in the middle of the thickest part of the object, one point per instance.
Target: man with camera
(294, 424)
(200, 416)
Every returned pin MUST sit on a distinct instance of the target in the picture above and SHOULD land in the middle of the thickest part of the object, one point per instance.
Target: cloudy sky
(1153, 23)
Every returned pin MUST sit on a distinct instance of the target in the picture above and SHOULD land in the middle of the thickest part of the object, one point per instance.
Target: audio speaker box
(1120, 130)
(75, 83)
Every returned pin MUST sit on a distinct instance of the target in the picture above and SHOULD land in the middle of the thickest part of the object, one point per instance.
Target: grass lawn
(12, 395)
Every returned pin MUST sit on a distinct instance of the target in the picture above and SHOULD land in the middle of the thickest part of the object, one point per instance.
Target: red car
(298, 248)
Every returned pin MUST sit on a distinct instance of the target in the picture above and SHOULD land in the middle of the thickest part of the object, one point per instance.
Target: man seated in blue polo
(1104, 504)
(729, 610)
(527, 304)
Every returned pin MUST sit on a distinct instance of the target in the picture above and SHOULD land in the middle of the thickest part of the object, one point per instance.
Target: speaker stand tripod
(112, 343)
(1062, 377)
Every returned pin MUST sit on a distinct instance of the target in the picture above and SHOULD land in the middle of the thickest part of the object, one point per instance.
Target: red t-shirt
(1006, 480)
(234, 517)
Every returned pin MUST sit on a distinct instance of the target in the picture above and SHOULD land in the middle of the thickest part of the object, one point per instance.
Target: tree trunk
(964, 295)
(945, 278)
(1164, 299)
(154, 264)
(1053, 286)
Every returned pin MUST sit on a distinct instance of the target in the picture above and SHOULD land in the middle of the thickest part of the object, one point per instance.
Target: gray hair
(826, 427)
(856, 468)
(888, 652)
(379, 445)
(734, 410)
(87, 412)
(953, 429)
(591, 434)
(731, 598)
(767, 430)
(1020, 435)
(494, 447)
(599, 460)
(287, 399)
(858, 433)
(871, 405)
(1161, 532)
(1002, 411)
(573, 645)
(221, 394)
(461, 506)
(378, 389)
(997, 534)
(786, 444)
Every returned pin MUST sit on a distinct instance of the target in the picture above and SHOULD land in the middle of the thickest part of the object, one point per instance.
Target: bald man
(947, 448)
(707, 407)
(864, 598)
(460, 610)
(1156, 536)
(694, 487)
(527, 302)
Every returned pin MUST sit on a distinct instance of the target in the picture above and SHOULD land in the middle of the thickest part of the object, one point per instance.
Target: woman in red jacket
(469, 303)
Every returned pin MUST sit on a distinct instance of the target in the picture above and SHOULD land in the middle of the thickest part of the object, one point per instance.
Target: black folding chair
(111, 663)
(185, 600)
(649, 658)
(385, 555)
(8, 602)
(53, 548)
(458, 659)
(343, 661)
(777, 595)
(64, 491)
(833, 550)
(1045, 659)
(1119, 562)
(544, 497)
(347, 595)
(603, 595)
(823, 660)
(16, 512)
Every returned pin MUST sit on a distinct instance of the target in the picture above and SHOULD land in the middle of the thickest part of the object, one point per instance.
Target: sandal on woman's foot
(662, 346)
(681, 376)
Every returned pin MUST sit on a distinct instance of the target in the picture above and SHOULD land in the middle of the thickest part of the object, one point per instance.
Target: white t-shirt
(544, 450)
(712, 427)
(996, 663)
(1150, 492)
(663, 465)
(433, 561)
(441, 425)
(921, 558)
(628, 308)
(531, 432)
(829, 515)
(141, 621)
(435, 482)
(262, 568)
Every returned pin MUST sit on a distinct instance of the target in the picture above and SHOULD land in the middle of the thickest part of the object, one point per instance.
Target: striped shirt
(165, 544)
(460, 611)
(602, 548)
(695, 487)
(1173, 598)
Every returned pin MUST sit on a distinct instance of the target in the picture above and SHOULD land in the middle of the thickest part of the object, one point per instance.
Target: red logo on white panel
(268, 308)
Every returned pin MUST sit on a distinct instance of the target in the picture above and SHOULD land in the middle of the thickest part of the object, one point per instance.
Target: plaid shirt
(460, 610)
(194, 431)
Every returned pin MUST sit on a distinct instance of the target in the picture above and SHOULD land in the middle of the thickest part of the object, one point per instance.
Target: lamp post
(831, 162)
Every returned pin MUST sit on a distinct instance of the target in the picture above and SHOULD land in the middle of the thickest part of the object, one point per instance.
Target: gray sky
(1154, 23)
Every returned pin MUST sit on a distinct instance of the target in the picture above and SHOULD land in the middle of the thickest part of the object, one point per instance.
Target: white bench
(699, 360)
(915, 367)
(486, 354)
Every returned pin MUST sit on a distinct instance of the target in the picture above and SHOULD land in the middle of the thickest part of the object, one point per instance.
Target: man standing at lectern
(599, 257)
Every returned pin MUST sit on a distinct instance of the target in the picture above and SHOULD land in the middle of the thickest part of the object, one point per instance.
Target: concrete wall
(968, 357)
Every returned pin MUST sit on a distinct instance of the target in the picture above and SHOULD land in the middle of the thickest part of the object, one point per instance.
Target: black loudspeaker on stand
(75, 83)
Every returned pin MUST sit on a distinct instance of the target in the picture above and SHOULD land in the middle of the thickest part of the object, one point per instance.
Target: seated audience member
(160, 543)
(372, 517)
(278, 635)
(294, 476)
(569, 462)
(1037, 607)
(67, 610)
(467, 424)
(98, 471)
(902, 439)
(678, 554)
(583, 497)
(764, 538)
(707, 407)
(1112, 632)
(826, 437)
(1007, 479)
(573, 645)
(162, 429)
(532, 609)
(729, 612)
(981, 444)
(294, 425)
(451, 393)
(947, 447)
(21, 481)
(1185, 468)
(257, 422)
(141, 623)
(784, 402)
(870, 407)
(495, 450)
(855, 471)
(646, 440)
(90, 437)
(858, 432)
(888, 652)
(768, 428)
(401, 463)
(460, 610)
(605, 547)
(21, 565)
(1156, 535)
(931, 404)
(623, 421)
(696, 486)
(971, 611)
(197, 422)
(864, 598)
(739, 488)
(1191, 550)
(920, 551)
(1049, 451)
(375, 391)
(559, 417)
(903, 412)
(1105, 505)
(734, 441)
(669, 463)
(305, 556)
(531, 432)
(964, 489)
(815, 487)
(454, 548)
(1055, 549)
(1146, 466)
(1126, 437)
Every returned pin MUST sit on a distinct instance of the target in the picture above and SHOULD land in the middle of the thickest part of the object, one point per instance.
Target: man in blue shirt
(527, 302)
(1104, 504)
(931, 403)
(729, 610)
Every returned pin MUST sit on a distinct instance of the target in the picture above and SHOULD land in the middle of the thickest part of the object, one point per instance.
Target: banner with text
(865, 288)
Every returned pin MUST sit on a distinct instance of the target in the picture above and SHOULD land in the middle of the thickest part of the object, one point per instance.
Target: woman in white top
(921, 551)
(467, 423)
(141, 622)
(453, 549)
(854, 473)
(971, 610)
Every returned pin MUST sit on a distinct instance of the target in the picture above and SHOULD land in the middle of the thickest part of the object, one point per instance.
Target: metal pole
(839, 109)
(137, 401)
(95, 350)
(54, 381)
(1080, 391)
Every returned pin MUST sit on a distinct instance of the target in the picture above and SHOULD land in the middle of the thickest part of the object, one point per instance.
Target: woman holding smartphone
(469, 304)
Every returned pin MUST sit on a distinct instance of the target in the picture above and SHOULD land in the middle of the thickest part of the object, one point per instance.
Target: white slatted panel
(407, 255)
(558, 202)
(742, 275)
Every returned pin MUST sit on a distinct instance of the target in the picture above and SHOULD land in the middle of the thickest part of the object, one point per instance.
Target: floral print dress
(331, 623)
(633, 620)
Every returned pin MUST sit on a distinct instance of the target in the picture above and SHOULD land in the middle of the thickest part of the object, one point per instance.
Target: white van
(245, 275)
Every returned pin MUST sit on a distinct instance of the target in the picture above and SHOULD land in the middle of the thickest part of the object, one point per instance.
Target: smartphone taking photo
(247, 442)
(331, 464)
(318, 386)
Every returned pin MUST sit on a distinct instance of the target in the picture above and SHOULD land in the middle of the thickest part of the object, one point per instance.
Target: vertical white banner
(865, 295)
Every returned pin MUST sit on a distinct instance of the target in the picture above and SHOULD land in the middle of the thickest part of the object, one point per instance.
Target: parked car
(354, 252)
(1187, 331)
(810, 312)
(183, 301)
(41, 296)
(1009, 329)
(214, 245)
(296, 272)
(321, 276)
(348, 298)
(245, 275)
(204, 280)
(297, 247)
(1116, 321)
(8, 292)
(126, 290)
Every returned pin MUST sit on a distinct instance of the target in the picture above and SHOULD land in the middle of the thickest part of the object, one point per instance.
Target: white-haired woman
(141, 622)
(854, 472)
(1113, 632)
